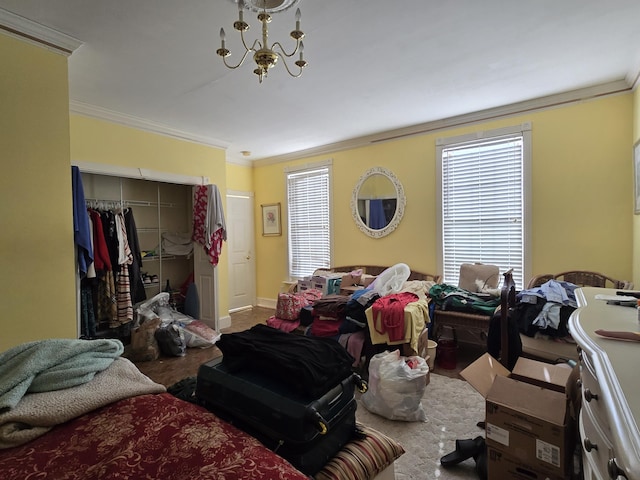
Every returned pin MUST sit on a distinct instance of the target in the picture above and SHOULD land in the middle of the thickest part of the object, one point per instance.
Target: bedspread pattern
(148, 436)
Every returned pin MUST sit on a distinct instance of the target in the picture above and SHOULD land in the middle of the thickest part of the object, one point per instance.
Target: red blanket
(147, 436)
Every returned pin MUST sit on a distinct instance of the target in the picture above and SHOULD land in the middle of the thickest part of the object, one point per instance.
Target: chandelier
(264, 55)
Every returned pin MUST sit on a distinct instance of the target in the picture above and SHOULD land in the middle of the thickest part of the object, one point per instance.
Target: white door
(240, 244)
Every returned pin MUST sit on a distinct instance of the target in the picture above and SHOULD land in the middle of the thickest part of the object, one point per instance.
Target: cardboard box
(329, 285)
(553, 377)
(304, 285)
(502, 465)
(528, 420)
(530, 424)
(366, 279)
(482, 373)
(349, 290)
(350, 280)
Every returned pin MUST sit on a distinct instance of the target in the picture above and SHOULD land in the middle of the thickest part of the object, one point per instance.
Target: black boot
(465, 449)
(481, 462)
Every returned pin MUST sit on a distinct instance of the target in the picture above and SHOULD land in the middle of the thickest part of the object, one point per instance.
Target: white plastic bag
(395, 388)
(391, 280)
(199, 335)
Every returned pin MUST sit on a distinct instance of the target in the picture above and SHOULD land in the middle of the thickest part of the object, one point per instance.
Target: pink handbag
(290, 304)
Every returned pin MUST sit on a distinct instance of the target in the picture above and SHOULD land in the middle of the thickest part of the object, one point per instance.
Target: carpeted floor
(453, 409)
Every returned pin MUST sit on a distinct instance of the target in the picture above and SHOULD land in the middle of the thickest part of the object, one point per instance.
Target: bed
(74, 419)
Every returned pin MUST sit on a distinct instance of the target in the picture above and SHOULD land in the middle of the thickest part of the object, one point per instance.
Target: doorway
(241, 246)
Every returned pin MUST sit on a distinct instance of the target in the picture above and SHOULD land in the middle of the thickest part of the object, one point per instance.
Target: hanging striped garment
(125, 258)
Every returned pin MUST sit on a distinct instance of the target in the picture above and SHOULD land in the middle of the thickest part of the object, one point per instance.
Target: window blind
(309, 221)
(483, 206)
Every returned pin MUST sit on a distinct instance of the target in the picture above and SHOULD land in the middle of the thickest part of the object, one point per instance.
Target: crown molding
(240, 161)
(100, 113)
(633, 77)
(37, 34)
(550, 101)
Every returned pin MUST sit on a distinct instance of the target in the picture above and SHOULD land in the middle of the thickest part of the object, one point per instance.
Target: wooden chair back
(582, 278)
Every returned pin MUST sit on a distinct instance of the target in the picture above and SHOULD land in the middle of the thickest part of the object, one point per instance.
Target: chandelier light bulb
(240, 10)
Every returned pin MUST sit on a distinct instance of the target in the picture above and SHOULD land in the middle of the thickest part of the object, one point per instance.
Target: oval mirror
(377, 202)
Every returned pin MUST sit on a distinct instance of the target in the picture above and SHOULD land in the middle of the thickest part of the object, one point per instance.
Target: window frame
(301, 169)
(523, 129)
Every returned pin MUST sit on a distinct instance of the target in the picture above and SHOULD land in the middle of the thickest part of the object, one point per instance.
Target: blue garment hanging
(377, 219)
(81, 227)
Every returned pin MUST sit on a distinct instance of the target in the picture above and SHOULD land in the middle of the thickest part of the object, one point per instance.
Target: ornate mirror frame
(400, 203)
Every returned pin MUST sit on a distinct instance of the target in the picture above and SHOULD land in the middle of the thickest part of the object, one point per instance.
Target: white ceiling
(374, 65)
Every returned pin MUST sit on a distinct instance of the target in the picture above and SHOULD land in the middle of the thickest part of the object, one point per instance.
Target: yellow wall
(36, 246)
(108, 143)
(581, 182)
(239, 177)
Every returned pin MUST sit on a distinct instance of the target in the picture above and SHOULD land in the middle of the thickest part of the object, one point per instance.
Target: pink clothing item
(209, 228)
(353, 343)
(388, 314)
(323, 326)
(284, 325)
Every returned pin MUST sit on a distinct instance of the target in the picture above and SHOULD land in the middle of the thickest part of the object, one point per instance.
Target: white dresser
(610, 378)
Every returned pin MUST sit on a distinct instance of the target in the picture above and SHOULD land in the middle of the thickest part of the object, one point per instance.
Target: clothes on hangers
(114, 270)
(209, 226)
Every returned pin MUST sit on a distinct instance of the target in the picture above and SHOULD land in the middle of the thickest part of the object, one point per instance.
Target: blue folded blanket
(54, 364)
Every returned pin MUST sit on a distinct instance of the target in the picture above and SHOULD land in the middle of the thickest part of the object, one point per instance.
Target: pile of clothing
(545, 310)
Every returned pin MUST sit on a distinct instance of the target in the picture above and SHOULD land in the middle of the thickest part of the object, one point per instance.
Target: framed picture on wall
(271, 220)
(636, 177)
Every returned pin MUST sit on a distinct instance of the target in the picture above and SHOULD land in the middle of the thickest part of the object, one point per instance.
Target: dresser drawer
(592, 398)
(596, 449)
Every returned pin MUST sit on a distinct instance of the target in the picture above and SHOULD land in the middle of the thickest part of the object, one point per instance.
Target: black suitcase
(305, 431)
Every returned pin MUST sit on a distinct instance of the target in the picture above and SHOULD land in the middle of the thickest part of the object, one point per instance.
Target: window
(483, 191)
(309, 219)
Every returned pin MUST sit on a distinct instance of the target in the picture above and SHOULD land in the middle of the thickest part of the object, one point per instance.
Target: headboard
(582, 278)
(377, 270)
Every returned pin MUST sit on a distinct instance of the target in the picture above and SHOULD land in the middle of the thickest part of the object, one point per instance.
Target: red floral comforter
(145, 437)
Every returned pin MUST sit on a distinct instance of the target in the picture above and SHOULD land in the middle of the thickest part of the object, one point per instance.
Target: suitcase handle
(360, 383)
(321, 423)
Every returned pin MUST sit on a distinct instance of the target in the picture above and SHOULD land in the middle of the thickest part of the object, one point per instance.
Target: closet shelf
(153, 230)
(132, 203)
(155, 258)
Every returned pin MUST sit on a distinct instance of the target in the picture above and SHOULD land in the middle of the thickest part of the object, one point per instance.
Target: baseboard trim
(267, 302)
(224, 322)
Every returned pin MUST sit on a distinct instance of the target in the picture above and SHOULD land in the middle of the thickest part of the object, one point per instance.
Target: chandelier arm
(284, 62)
(224, 60)
(253, 48)
(284, 52)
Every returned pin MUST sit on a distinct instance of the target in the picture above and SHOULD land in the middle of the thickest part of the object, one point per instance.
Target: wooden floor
(169, 370)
